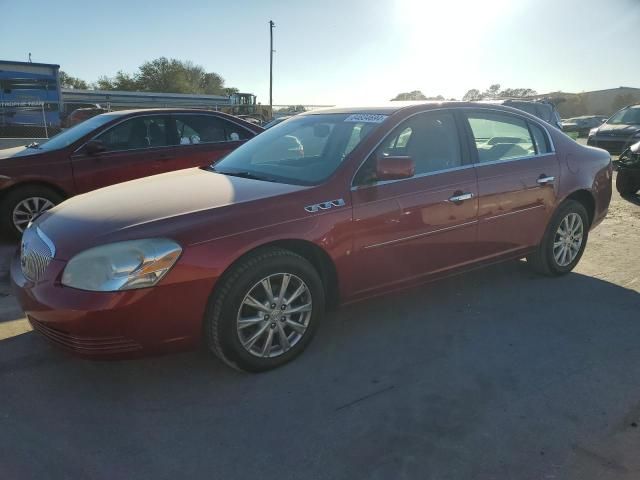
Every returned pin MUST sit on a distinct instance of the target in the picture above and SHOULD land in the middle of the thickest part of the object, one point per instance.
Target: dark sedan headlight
(122, 265)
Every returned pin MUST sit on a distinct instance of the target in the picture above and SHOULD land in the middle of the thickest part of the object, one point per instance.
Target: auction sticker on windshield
(365, 118)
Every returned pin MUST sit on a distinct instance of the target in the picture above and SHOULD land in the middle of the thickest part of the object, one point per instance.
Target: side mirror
(93, 147)
(394, 168)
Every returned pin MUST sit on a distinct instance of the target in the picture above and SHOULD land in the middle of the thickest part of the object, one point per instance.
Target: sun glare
(440, 39)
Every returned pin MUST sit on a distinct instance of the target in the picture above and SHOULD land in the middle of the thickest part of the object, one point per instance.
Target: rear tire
(559, 251)
(625, 183)
(240, 310)
(23, 204)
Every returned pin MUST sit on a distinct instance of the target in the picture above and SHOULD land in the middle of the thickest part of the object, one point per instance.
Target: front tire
(625, 183)
(265, 311)
(564, 240)
(23, 204)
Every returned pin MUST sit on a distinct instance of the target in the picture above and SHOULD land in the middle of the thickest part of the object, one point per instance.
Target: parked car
(110, 148)
(619, 132)
(246, 255)
(582, 125)
(628, 166)
(541, 109)
(80, 115)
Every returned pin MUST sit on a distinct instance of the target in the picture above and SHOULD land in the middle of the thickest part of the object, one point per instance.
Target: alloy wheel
(568, 239)
(274, 315)
(29, 209)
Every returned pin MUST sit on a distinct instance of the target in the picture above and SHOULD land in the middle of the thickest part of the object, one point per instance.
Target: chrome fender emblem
(325, 205)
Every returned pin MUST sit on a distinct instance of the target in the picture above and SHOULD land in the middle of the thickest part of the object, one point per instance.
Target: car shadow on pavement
(472, 372)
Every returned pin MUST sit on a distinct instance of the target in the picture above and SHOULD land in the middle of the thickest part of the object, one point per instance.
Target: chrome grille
(36, 252)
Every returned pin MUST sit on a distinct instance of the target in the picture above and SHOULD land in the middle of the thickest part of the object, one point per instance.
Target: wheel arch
(33, 183)
(311, 252)
(586, 198)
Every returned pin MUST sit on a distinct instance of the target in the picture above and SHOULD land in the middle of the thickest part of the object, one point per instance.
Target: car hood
(162, 205)
(618, 130)
(9, 153)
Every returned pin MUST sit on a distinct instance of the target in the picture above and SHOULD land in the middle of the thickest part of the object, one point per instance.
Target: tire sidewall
(228, 336)
(570, 206)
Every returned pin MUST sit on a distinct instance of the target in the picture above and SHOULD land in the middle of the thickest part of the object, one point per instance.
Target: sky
(345, 52)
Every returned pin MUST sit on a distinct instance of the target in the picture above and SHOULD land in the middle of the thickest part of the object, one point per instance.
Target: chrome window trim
(537, 122)
(516, 159)
(162, 146)
(420, 175)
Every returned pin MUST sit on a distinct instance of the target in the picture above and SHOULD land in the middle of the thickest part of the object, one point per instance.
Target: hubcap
(568, 239)
(28, 209)
(274, 315)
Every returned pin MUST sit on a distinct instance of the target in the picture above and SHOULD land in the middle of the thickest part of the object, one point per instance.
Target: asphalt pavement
(496, 374)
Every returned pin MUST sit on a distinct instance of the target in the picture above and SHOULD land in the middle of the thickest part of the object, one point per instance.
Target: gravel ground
(496, 374)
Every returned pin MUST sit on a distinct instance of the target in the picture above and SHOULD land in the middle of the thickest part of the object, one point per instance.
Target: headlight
(122, 266)
(593, 131)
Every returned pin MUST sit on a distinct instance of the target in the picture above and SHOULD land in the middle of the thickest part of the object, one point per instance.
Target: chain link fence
(28, 119)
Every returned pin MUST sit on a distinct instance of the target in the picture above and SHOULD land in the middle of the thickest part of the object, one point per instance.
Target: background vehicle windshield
(73, 134)
(303, 151)
(628, 116)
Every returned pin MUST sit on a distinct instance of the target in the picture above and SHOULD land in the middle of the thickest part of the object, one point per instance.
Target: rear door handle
(461, 197)
(544, 180)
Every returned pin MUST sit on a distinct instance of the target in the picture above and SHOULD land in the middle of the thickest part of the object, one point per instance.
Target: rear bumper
(113, 325)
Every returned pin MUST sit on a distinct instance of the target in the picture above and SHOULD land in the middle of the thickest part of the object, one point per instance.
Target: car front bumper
(113, 325)
(613, 145)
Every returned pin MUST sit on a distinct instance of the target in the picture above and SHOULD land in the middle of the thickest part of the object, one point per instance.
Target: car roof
(393, 107)
(120, 113)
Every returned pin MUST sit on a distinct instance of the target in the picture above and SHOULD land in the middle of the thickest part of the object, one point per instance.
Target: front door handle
(544, 180)
(461, 197)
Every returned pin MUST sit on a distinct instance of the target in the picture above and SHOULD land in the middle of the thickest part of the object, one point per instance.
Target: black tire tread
(228, 281)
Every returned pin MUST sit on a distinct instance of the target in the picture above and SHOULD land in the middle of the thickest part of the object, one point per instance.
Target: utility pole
(271, 27)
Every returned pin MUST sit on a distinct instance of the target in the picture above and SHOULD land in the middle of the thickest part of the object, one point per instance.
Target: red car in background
(245, 255)
(81, 114)
(111, 148)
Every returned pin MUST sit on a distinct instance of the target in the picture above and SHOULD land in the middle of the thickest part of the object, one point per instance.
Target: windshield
(73, 134)
(627, 116)
(302, 151)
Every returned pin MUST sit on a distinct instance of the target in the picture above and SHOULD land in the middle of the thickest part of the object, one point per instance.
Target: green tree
(166, 75)
(472, 95)
(517, 92)
(415, 95)
(492, 92)
(67, 81)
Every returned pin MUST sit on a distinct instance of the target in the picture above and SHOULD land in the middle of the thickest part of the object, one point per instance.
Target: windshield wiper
(245, 174)
(33, 145)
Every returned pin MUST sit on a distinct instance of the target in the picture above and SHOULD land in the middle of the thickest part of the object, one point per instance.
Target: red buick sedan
(111, 148)
(246, 255)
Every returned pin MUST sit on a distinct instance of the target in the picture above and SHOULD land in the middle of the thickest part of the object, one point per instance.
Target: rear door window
(196, 129)
(500, 137)
(136, 133)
